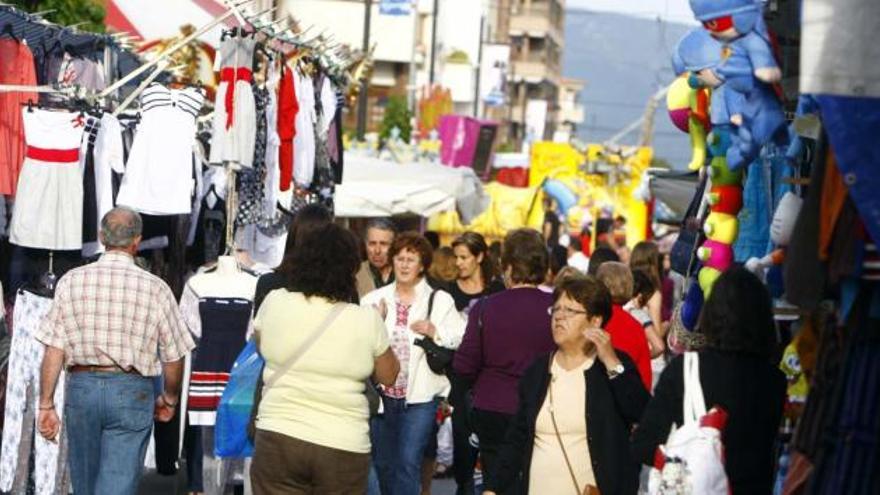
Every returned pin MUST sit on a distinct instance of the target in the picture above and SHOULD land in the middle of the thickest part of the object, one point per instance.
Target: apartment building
(533, 30)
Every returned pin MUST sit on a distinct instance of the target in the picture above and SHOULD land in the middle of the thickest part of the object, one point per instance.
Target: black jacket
(750, 389)
(613, 406)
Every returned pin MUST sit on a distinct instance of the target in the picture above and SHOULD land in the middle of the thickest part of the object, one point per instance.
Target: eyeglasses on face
(564, 313)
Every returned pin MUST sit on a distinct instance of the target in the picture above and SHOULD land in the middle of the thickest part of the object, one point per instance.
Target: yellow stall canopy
(509, 208)
(601, 180)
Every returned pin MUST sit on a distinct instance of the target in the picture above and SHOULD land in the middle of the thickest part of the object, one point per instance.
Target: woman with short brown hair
(506, 332)
(412, 311)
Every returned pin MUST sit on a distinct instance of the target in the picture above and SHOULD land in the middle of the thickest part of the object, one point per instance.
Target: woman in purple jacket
(505, 333)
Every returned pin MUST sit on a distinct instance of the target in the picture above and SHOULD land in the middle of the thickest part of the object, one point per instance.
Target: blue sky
(671, 10)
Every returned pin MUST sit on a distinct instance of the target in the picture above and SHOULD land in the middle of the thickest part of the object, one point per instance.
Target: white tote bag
(693, 458)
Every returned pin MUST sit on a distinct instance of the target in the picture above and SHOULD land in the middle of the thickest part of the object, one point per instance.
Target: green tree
(68, 12)
(396, 115)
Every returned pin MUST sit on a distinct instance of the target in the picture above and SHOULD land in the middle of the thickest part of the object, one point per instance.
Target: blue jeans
(109, 417)
(400, 436)
(373, 487)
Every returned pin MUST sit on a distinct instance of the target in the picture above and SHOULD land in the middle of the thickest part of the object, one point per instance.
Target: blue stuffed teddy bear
(747, 67)
(700, 54)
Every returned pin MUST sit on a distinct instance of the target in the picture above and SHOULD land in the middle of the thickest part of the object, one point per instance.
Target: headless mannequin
(226, 281)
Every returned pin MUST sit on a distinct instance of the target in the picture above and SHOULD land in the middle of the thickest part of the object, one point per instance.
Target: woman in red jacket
(627, 334)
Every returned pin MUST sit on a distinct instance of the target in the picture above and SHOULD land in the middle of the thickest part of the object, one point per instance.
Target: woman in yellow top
(577, 406)
(312, 424)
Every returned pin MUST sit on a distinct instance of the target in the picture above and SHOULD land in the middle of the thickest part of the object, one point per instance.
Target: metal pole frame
(434, 17)
(365, 84)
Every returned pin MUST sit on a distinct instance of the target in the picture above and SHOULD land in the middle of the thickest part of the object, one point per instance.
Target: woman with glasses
(402, 430)
(505, 333)
(577, 406)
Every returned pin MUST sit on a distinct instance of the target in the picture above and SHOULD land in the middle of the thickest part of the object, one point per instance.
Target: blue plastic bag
(234, 412)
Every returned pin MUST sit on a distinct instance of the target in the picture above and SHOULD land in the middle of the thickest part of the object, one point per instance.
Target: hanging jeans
(109, 419)
(754, 218)
(400, 437)
(22, 402)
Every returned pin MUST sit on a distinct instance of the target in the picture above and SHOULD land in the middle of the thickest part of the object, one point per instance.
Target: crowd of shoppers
(550, 370)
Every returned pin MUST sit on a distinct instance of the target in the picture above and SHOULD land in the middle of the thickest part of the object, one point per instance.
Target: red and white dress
(235, 115)
(49, 200)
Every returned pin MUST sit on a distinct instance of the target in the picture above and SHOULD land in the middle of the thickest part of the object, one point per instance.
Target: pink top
(400, 346)
(16, 67)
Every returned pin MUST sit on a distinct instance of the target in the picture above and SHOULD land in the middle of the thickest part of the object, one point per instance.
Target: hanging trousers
(22, 402)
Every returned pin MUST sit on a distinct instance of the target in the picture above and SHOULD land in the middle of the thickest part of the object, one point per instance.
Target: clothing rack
(43, 35)
(160, 68)
(172, 49)
(9, 88)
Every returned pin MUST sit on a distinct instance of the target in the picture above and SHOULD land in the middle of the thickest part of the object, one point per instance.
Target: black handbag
(439, 358)
(682, 257)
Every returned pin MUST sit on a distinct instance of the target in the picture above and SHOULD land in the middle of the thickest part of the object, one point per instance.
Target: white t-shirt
(579, 261)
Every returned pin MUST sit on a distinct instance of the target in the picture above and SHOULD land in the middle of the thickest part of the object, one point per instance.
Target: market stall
(788, 189)
(87, 125)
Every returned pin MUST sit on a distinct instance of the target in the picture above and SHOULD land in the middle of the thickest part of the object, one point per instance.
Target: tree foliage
(396, 115)
(68, 12)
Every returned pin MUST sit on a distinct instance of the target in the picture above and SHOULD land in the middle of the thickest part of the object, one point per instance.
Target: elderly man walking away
(114, 327)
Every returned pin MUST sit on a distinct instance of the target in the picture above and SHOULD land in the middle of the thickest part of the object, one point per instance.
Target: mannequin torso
(226, 281)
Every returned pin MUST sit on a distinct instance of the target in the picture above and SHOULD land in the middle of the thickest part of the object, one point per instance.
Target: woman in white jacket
(401, 433)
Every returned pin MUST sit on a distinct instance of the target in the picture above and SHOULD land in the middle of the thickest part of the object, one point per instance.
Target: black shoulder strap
(431, 304)
(482, 303)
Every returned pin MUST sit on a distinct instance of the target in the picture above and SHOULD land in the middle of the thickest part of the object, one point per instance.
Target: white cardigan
(423, 384)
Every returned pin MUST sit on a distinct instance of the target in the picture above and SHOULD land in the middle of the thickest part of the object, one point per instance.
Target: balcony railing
(537, 18)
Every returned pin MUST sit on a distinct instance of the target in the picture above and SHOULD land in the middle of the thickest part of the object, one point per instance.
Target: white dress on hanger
(304, 141)
(234, 133)
(158, 176)
(49, 199)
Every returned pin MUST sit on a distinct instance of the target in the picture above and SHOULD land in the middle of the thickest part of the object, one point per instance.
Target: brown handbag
(588, 489)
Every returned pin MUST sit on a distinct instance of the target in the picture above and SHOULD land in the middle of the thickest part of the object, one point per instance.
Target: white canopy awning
(158, 19)
(376, 188)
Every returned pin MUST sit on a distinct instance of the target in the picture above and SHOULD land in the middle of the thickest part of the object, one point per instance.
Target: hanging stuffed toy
(781, 228)
(749, 68)
(689, 111)
(688, 98)
(700, 55)
(721, 226)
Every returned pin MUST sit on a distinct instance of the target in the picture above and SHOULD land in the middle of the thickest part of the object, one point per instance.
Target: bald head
(121, 228)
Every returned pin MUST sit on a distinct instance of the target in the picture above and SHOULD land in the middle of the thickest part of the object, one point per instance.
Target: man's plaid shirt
(112, 312)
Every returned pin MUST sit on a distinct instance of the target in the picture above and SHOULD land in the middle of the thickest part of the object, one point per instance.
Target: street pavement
(153, 484)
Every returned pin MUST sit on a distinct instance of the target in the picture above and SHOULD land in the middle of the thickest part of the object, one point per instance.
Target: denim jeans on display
(109, 417)
(755, 216)
(400, 437)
